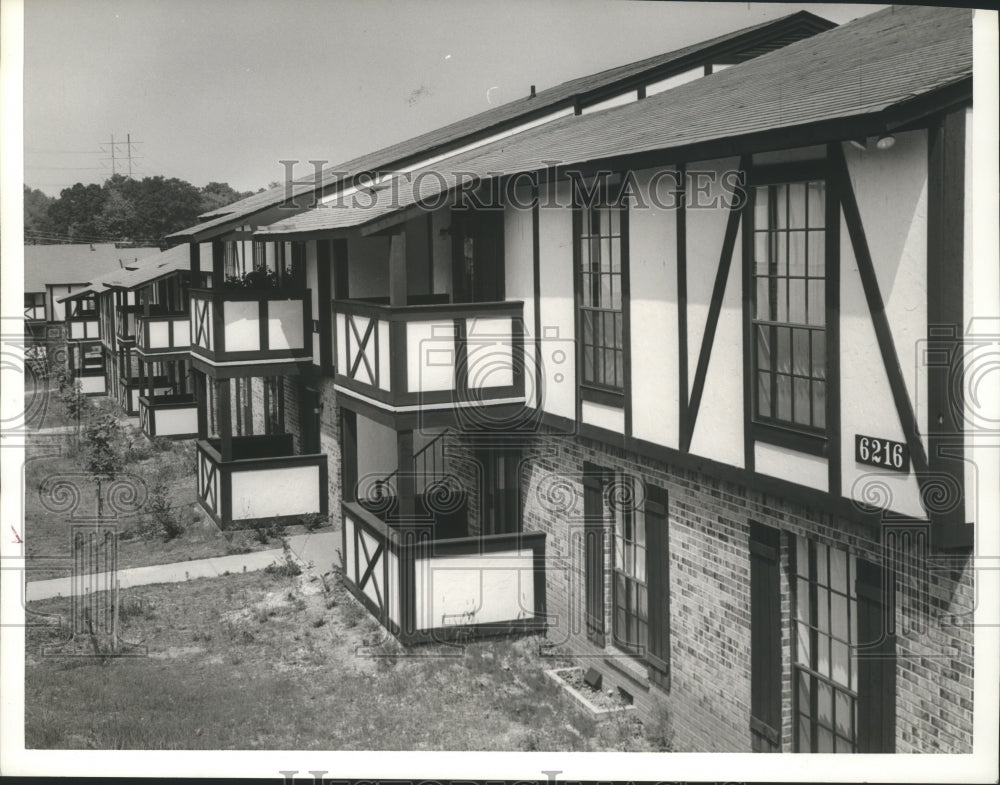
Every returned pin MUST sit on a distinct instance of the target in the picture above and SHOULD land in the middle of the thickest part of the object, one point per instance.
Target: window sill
(628, 665)
(602, 396)
(811, 443)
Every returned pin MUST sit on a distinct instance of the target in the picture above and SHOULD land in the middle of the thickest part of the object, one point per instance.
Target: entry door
(478, 269)
(500, 510)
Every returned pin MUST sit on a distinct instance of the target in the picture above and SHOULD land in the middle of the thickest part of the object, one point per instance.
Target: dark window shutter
(765, 638)
(593, 513)
(658, 586)
(876, 658)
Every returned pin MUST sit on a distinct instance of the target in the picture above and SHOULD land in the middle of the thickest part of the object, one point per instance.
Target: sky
(222, 90)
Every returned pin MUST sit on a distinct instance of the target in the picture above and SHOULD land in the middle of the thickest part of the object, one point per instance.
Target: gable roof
(866, 67)
(72, 263)
(102, 280)
(735, 46)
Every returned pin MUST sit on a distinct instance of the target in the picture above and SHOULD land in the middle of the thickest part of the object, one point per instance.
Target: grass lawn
(267, 661)
(58, 493)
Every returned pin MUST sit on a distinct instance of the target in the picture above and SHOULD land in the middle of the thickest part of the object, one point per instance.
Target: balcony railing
(91, 379)
(421, 588)
(173, 416)
(264, 480)
(235, 325)
(163, 334)
(131, 388)
(430, 354)
(83, 328)
(34, 313)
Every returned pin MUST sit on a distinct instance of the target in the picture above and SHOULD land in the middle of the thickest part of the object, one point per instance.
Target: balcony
(168, 333)
(125, 316)
(132, 388)
(451, 355)
(425, 589)
(264, 480)
(233, 326)
(91, 380)
(171, 416)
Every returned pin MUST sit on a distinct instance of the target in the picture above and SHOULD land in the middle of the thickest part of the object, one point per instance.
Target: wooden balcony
(426, 589)
(172, 416)
(234, 326)
(91, 380)
(405, 358)
(163, 334)
(132, 388)
(264, 480)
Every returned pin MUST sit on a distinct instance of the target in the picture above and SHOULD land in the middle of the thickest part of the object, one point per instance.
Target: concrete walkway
(313, 551)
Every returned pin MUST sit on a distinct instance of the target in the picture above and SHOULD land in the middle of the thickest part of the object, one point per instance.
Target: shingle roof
(72, 263)
(102, 280)
(758, 38)
(861, 68)
(157, 266)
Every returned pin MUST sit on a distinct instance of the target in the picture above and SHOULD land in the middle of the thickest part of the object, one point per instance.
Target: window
(34, 305)
(789, 309)
(630, 599)
(826, 634)
(601, 277)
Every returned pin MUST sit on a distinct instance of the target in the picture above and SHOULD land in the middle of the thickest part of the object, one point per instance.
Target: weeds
(288, 567)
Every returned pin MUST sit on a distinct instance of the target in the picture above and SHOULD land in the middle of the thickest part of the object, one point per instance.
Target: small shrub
(659, 730)
(288, 567)
(313, 521)
(353, 614)
(164, 518)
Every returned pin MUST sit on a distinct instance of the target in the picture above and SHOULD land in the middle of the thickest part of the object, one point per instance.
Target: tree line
(121, 210)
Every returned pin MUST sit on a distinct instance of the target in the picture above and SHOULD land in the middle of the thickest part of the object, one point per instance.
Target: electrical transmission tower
(115, 155)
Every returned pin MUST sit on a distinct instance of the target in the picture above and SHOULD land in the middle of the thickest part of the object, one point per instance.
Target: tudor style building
(681, 396)
(737, 457)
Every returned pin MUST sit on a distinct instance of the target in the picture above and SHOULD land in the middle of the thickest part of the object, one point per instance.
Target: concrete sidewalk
(314, 551)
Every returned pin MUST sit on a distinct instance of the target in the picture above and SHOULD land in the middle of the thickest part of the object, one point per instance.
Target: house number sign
(884, 453)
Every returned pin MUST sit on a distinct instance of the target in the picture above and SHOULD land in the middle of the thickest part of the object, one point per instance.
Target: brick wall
(709, 692)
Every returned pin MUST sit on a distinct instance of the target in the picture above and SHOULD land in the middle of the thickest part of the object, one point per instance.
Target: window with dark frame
(631, 618)
(789, 305)
(826, 635)
(601, 268)
(274, 405)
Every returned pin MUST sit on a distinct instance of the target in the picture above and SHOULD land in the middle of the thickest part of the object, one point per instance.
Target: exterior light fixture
(885, 141)
(860, 144)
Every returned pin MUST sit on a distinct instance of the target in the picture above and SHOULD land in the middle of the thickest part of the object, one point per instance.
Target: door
(478, 266)
(500, 507)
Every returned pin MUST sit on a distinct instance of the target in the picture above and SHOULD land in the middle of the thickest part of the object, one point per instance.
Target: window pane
(822, 654)
(800, 352)
(804, 736)
(840, 654)
(802, 557)
(784, 352)
(605, 291)
(797, 205)
(781, 199)
(805, 681)
(843, 711)
(616, 255)
(616, 221)
(605, 217)
(818, 354)
(779, 242)
(784, 397)
(797, 301)
(801, 401)
(802, 600)
(817, 302)
(824, 703)
(796, 253)
(760, 251)
(619, 330)
(822, 609)
(824, 740)
(817, 253)
(822, 557)
(763, 348)
(817, 204)
(838, 615)
(763, 310)
(803, 649)
(819, 404)
(844, 746)
(760, 207)
(782, 300)
(764, 394)
(616, 291)
(838, 570)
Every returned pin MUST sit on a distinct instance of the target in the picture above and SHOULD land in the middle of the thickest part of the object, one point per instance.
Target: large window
(789, 310)
(601, 274)
(631, 619)
(826, 636)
